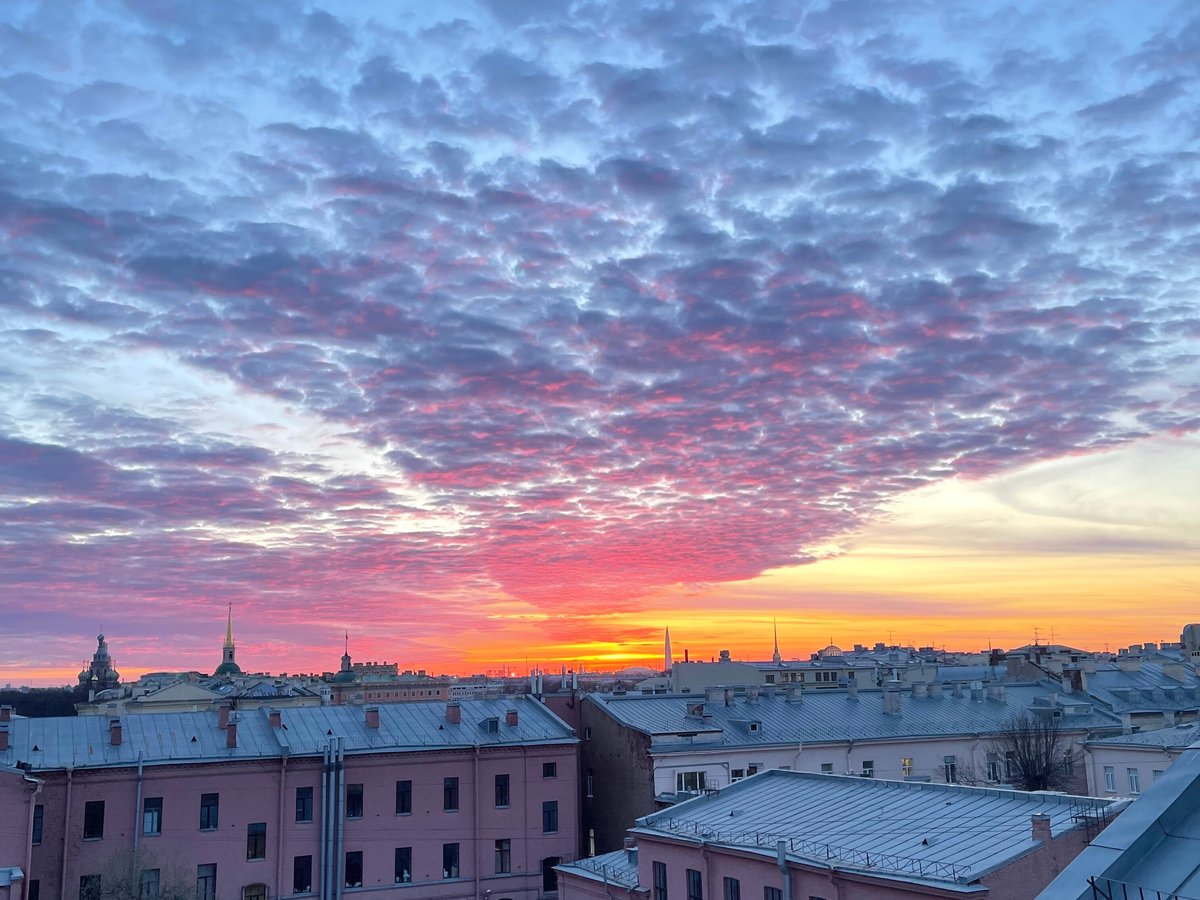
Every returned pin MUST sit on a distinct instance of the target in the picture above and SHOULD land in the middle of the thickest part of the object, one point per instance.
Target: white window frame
(1110, 778)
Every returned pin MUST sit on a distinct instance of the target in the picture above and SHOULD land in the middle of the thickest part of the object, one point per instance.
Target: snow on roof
(1173, 738)
(617, 867)
(940, 832)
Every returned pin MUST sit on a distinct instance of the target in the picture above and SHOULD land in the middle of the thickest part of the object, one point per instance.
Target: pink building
(417, 800)
(781, 835)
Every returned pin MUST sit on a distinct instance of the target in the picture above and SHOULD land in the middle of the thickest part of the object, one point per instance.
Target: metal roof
(618, 867)
(834, 717)
(83, 741)
(936, 832)
(1146, 690)
(1174, 738)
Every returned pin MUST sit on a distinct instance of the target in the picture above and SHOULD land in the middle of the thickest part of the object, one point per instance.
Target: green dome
(227, 668)
(344, 677)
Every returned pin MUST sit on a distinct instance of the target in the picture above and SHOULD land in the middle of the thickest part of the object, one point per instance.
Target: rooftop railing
(1107, 889)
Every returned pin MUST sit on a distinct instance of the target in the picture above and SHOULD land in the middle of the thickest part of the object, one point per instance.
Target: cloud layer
(409, 316)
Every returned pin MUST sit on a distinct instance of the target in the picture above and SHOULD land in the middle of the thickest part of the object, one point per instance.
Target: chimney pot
(453, 713)
(372, 714)
(1041, 828)
(114, 732)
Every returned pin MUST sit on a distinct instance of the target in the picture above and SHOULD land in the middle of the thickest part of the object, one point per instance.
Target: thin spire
(347, 650)
(775, 631)
(229, 627)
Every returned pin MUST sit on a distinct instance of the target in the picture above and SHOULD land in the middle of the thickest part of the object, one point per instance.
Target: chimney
(114, 732)
(223, 715)
(977, 691)
(1129, 664)
(1174, 671)
(752, 692)
(937, 690)
(728, 696)
(6, 713)
(1088, 666)
(275, 717)
(851, 687)
(453, 713)
(3, 738)
(372, 716)
(631, 850)
(231, 733)
(511, 718)
(714, 695)
(920, 689)
(1041, 829)
(795, 692)
(891, 697)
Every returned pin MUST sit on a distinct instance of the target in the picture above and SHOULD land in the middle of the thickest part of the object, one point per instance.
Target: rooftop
(1176, 737)
(1147, 688)
(835, 716)
(618, 867)
(939, 832)
(84, 741)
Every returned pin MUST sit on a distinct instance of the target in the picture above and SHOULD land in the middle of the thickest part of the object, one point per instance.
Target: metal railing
(868, 859)
(1107, 889)
(614, 874)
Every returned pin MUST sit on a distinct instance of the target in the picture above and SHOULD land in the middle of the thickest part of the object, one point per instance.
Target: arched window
(254, 892)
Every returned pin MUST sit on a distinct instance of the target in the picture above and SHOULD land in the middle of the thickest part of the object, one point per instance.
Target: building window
(950, 769)
(1110, 778)
(733, 889)
(770, 893)
(549, 816)
(152, 815)
(206, 881)
(256, 891)
(35, 890)
(549, 876)
(751, 770)
(354, 801)
(993, 767)
(660, 880)
(148, 884)
(1156, 774)
(550, 770)
(449, 860)
(93, 820)
(591, 841)
(256, 840)
(502, 792)
(38, 814)
(403, 865)
(695, 885)
(403, 798)
(736, 775)
(906, 766)
(868, 768)
(503, 856)
(826, 768)
(1011, 768)
(1135, 781)
(1069, 764)
(589, 783)
(89, 887)
(450, 794)
(304, 805)
(354, 868)
(691, 782)
(587, 733)
(302, 875)
(209, 804)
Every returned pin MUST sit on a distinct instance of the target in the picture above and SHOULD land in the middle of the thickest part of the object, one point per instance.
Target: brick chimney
(231, 733)
(453, 713)
(631, 850)
(1041, 829)
(372, 713)
(3, 738)
(223, 715)
(275, 718)
(114, 732)
(510, 718)
(6, 713)
(891, 697)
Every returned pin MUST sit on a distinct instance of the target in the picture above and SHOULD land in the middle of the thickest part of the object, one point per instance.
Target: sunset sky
(519, 330)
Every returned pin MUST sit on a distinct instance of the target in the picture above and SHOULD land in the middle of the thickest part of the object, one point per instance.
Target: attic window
(754, 727)
(193, 739)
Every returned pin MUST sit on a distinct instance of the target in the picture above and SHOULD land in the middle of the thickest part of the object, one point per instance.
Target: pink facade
(482, 820)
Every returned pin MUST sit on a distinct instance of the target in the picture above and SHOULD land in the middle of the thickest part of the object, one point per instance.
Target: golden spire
(229, 627)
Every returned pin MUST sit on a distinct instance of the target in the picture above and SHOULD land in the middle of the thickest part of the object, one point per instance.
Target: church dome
(227, 669)
(830, 652)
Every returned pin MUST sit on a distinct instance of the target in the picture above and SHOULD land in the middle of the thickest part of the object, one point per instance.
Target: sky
(507, 333)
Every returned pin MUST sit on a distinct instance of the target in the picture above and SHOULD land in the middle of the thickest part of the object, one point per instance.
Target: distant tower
(100, 675)
(775, 657)
(667, 652)
(346, 674)
(228, 666)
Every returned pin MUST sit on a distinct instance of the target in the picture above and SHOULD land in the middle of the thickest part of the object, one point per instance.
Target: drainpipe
(339, 777)
(781, 861)
(475, 822)
(283, 761)
(62, 875)
(849, 750)
(34, 786)
(137, 807)
(325, 817)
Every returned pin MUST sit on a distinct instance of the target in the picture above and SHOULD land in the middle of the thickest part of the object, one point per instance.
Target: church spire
(229, 628)
(775, 657)
(228, 666)
(667, 662)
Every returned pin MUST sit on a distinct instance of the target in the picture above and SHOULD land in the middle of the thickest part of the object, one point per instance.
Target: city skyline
(500, 330)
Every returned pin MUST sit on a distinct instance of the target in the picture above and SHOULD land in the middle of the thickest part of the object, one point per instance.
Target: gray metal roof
(1147, 690)
(83, 741)
(1174, 738)
(833, 717)
(938, 832)
(618, 867)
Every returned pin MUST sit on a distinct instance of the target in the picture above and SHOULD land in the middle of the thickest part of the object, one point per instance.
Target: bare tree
(1035, 753)
(142, 875)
